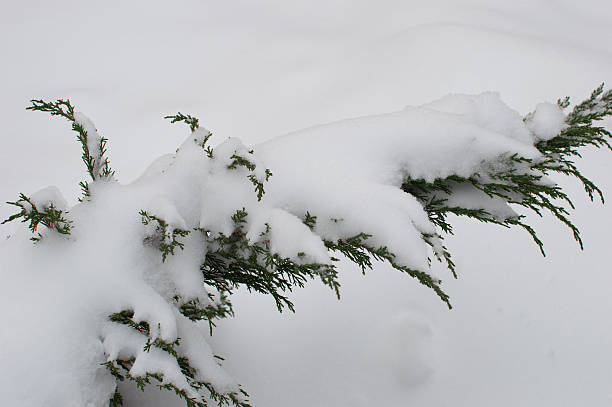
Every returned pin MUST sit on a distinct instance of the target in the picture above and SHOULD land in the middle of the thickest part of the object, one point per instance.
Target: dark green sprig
(357, 250)
(125, 317)
(579, 132)
(597, 107)
(193, 124)
(196, 311)
(232, 261)
(440, 251)
(120, 369)
(520, 181)
(117, 399)
(191, 121)
(240, 161)
(48, 216)
(523, 189)
(97, 168)
(259, 186)
(84, 190)
(310, 220)
(163, 238)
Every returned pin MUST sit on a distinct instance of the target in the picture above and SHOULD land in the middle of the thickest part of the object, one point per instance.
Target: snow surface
(524, 331)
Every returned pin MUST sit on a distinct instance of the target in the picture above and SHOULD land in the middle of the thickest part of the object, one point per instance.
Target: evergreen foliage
(218, 308)
(97, 164)
(48, 216)
(359, 252)
(193, 124)
(519, 180)
(232, 260)
(164, 237)
(191, 121)
(240, 161)
(120, 369)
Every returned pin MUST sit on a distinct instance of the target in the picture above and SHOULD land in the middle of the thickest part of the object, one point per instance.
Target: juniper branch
(232, 261)
(48, 216)
(521, 181)
(97, 169)
(120, 369)
(191, 121)
(164, 238)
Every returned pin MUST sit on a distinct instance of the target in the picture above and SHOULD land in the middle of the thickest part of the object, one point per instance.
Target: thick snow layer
(546, 121)
(488, 111)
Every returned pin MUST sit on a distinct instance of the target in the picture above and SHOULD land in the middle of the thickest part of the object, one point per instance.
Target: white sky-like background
(525, 330)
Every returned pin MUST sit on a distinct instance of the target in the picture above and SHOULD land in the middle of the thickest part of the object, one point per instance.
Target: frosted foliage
(165, 210)
(93, 139)
(348, 174)
(466, 196)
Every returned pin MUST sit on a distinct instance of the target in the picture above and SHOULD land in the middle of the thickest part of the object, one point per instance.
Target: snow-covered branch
(150, 266)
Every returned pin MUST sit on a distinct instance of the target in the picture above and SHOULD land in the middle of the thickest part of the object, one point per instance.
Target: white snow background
(525, 330)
